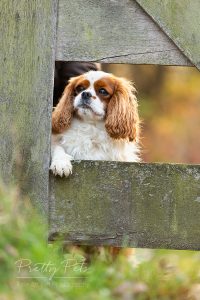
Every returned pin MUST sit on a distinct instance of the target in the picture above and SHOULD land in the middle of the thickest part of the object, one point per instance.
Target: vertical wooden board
(180, 20)
(27, 31)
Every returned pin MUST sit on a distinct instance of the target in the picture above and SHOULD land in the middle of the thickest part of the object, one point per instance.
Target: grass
(57, 272)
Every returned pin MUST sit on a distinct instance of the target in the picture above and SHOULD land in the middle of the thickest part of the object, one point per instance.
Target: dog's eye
(103, 92)
(80, 88)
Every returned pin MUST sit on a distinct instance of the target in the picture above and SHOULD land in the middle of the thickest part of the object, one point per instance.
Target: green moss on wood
(180, 20)
(144, 205)
(26, 85)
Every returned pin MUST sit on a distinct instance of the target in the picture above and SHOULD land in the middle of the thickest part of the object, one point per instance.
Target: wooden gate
(124, 204)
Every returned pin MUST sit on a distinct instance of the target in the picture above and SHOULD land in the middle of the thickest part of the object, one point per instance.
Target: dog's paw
(61, 167)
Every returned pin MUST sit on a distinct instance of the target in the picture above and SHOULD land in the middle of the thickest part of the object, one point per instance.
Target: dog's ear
(122, 120)
(63, 113)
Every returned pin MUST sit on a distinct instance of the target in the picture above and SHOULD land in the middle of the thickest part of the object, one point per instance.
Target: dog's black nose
(86, 95)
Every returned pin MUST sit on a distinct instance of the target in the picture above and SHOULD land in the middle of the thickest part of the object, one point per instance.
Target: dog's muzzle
(85, 99)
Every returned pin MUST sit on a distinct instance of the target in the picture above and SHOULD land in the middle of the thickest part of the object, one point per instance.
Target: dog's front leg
(60, 161)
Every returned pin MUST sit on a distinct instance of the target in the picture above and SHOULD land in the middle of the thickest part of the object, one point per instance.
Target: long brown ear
(63, 113)
(122, 120)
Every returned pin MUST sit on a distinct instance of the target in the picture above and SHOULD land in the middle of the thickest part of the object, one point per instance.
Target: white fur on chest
(90, 141)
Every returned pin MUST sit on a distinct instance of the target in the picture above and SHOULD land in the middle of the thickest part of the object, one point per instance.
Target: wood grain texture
(116, 31)
(180, 20)
(127, 204)
(27, 30)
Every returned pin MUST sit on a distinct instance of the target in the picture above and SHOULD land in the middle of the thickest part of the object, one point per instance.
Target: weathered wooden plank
(128, 204)
(112, 31)
(27, 31)
(180, 20)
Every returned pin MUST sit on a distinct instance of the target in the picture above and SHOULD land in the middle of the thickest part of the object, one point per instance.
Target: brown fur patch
(122, 120)
(108, 83)
(63, 113)
(81, 83)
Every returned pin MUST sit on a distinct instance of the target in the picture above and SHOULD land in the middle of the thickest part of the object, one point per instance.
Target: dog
(96, 119)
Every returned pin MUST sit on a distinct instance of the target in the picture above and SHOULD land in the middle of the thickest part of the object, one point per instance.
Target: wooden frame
(160, 206)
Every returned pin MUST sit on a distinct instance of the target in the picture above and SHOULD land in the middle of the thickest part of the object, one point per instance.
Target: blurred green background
(169, 105)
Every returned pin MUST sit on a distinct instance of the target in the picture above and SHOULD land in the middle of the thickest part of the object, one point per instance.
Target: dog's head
(99, 96)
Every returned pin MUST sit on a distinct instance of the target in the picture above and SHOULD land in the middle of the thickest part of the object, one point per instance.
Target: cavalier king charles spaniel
(95, 119)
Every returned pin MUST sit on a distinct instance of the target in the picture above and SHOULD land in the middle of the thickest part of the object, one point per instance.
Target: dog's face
(93, 92)
(99, 96)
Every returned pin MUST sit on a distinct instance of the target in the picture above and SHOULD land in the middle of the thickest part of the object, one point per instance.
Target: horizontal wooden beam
(127, 204)
(112, 32)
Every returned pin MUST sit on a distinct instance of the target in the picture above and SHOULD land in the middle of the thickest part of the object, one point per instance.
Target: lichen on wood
(118, 32)
(127, 204)
(27, 30)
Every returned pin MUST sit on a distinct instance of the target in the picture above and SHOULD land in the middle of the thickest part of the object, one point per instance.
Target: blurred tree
(169, 104)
